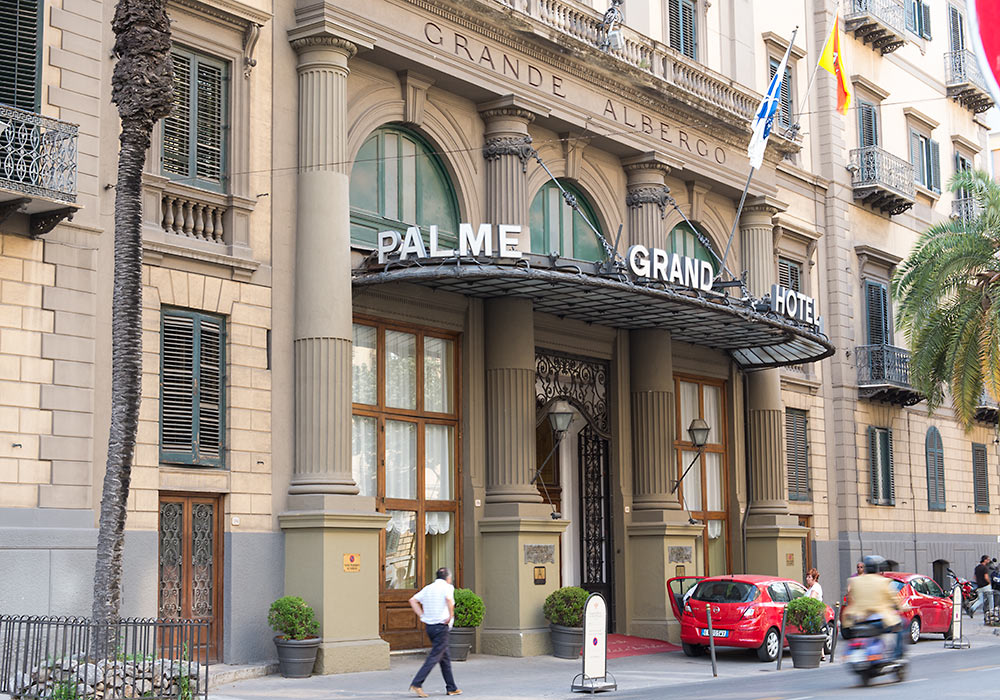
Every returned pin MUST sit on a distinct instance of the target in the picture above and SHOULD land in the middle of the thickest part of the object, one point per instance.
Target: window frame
(38, 8)
(980, 473)
(956, 28)
(792, 415)
(786, 96)
(886, 315)
(791, 265)
(925, 156)
(198, 56)
(194, 458)
(871, 107)
(544, 231)
(680, 42)
(934, 457)
(917, 18)
(881, 468)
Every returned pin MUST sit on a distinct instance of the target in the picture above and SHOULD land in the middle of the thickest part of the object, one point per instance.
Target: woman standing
(814, 590)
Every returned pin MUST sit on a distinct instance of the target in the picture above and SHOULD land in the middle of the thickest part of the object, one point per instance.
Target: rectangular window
(883, 487)
(877, 313)
(683, 29)
(980, 478)
(195, 131)
(797, 451)
(790, 274)
(785, 97)
(192, 388)
(867, 124)
(934, 453)
(956, 27)
(925, 155)
(918, 18)
(20, 53)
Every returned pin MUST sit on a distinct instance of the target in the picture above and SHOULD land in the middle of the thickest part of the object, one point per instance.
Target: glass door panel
(439, 457)
(400, 459)
(401, 550)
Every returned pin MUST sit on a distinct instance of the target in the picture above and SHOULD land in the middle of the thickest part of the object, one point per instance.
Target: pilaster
(647, 197)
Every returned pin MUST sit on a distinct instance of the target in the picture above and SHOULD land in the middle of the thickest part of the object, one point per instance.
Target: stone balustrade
(193, 218)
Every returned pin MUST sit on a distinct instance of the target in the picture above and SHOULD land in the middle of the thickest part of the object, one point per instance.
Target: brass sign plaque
(352, 563)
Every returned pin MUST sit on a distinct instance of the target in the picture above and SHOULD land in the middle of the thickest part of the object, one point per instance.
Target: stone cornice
(325, 41)
(780, 45)
(229, 12)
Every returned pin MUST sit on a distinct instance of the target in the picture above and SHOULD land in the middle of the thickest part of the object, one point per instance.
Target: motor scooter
(969, 595)
(868, 654)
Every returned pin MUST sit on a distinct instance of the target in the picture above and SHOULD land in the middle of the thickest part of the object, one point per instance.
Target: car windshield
(725, 592)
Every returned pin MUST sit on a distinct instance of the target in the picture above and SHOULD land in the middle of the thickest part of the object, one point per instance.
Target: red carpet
(620, 645)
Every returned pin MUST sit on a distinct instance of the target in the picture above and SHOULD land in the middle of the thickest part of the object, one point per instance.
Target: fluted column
(647, 198)
(323, 276)
(510, 401)
(766, 455)
(653, 423)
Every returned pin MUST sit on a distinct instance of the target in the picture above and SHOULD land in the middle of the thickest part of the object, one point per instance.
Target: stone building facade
(318, 393)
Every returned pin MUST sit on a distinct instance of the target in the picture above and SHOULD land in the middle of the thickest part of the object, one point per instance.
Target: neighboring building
(307, 399)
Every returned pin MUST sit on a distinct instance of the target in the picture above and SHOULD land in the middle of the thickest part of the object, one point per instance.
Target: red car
(930, 607)
(746, 612)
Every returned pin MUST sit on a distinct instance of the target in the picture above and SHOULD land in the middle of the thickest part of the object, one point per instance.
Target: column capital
(520, 146)
(308, 43)
(760, 207)
(648, 194)
(510, 114)
(651, 163)
(322, 26)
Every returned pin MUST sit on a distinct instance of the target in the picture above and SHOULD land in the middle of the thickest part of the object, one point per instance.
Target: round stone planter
(567, 642)
(296, 657)
(807, 649)
(460, 641)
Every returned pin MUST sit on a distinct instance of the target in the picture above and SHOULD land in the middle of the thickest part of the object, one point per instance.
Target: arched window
(397, 182)
(556, 227)
(683, 241)
(935, 470)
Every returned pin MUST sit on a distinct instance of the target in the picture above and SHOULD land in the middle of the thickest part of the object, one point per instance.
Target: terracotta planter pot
(806, 649)
(460, 641)
(567, 642)
(296, 657)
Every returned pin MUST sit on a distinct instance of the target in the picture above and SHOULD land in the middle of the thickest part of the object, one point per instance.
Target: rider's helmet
(874, 564)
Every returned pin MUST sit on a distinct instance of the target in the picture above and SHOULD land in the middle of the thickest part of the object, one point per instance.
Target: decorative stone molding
(250, 37)
(573, 148)
(508, 112)
(44, 222)
(325, 41)
(659, 196)
(415, 88)
(231, 12)
(519, 146)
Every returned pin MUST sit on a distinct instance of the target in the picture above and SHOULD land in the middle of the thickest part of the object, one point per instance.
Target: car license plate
(715, 633)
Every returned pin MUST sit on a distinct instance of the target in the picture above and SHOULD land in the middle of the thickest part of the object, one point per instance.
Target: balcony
(37, 169)
(884, 375)
(881, 180)
(964, 81)
(574, 28)
(987, 410)
(876, 22)
(965, 208)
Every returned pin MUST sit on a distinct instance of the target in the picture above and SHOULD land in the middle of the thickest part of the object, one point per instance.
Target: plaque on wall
(680, 554)
(539, 554)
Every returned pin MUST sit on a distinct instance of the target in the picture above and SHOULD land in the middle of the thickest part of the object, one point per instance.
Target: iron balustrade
(965, 208)
(887, 12)
(38, 155)
(961, 67)
(883, 364)
(57, 657)
(878, 169)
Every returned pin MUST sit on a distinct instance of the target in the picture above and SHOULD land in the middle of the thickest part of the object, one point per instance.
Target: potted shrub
(469, 611)
(297, 643)
(564, 611)
(808, 615)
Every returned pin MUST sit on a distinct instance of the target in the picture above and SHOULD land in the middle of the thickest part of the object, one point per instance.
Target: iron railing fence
(883, 364)
(38, 155)
(962, 67)
(875, 168)
(888, 12)
(55, 658)
(965, 208)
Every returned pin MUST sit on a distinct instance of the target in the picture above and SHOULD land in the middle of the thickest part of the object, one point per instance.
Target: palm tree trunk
(142, 90)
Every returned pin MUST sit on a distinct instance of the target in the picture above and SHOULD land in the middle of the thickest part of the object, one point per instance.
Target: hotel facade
(386, 241)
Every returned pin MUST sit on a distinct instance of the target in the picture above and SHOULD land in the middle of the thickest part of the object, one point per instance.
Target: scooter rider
(870, 595)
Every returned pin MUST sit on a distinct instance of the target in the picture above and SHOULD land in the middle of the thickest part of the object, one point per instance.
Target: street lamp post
(560, 417)
(698, 431)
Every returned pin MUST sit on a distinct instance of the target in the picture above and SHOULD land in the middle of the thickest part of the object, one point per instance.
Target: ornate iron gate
(583, 382)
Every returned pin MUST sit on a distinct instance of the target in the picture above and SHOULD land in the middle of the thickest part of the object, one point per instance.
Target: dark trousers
(439, 653)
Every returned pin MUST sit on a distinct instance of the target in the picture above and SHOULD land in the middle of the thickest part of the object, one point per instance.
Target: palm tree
(142, 88)
(948, 294)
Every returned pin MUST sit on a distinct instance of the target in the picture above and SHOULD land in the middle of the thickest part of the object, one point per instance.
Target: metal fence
(54, 658)
(874, 167)
(883, 364)
(37, 155)
(889, 12)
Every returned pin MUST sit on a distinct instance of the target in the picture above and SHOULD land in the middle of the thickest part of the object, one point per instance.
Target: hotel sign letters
(793, 305)
(658, 264)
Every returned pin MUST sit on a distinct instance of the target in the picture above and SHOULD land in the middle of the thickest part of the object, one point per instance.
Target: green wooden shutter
(192, 388)
(209, 126)
(934, 453)
(176, 125)
(934, 169)
(889, 477)
(20, 53)
(925, 20)
(879, 332)
(956, 29)
(785, 96)
(789, 274)
(797, 449)
(867, 124)
(874, 493)
(918, 158)
(980, 478)
(688, 29)
(911, 15)
(675, 24)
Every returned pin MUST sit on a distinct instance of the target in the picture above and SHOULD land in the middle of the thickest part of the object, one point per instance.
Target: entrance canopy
(755, 338)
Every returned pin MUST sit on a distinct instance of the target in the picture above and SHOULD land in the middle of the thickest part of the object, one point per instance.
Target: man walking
(984, 587)
(434, 604)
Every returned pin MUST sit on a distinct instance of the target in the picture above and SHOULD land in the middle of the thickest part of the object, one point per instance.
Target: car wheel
(770, 647)
(828, 644)
(692, 650)
(914, 635)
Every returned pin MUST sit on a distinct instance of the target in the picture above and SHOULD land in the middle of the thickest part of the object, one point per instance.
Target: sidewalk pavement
(539, 677)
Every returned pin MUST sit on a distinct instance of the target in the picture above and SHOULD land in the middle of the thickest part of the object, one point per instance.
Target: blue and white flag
(764, 120)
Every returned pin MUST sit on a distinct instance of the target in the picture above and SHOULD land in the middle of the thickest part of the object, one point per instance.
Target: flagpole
(812, 76)
(746, 187)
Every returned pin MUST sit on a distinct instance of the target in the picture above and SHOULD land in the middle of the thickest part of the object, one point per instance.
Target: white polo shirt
(434, 598)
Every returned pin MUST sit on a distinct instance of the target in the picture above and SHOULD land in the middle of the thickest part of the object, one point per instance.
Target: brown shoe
(418, 691)
(456, 691)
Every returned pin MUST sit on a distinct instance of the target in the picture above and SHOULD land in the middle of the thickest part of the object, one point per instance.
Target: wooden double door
(190, 563)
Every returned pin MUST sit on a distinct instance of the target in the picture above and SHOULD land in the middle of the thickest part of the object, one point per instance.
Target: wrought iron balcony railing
(882, 180)
(965, 208)
(987, 410)
(877, 22)
(884, 374)
(964, 81)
